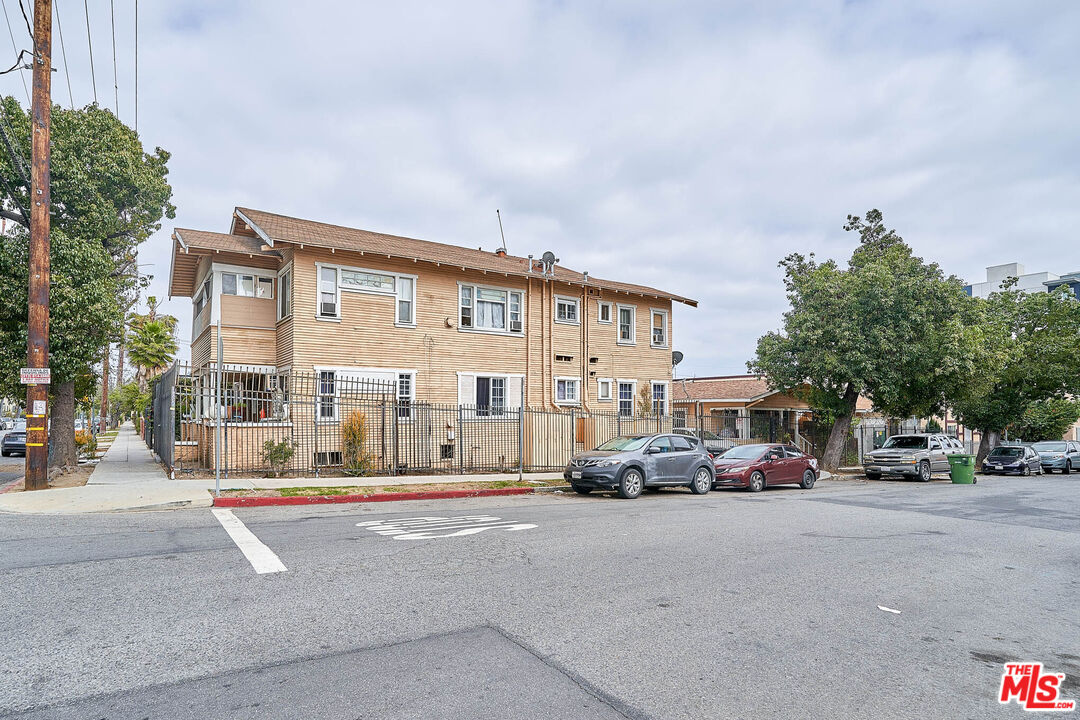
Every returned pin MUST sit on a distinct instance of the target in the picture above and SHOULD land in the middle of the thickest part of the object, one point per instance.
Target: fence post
(394, 417)
(217, 416)
(461, 439)
(521, 432)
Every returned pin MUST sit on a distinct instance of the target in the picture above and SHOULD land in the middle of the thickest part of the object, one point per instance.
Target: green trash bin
(962, 469)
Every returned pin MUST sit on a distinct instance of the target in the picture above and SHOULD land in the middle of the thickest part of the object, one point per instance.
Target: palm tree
(151, 347)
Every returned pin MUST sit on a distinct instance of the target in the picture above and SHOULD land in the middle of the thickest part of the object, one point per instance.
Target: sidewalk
(126, 478)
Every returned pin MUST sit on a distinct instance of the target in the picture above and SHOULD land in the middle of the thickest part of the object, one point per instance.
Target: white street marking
(426, 528)
(261, 557)
(888, 610)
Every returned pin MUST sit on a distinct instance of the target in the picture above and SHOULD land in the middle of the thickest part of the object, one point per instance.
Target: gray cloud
(682, 145)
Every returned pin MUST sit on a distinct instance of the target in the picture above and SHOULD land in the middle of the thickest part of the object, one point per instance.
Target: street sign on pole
(35, 376)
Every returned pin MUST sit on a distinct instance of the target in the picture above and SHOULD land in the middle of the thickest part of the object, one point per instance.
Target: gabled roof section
(190, 246)
(281, 228)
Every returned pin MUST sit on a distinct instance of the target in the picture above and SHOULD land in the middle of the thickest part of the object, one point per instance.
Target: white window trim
(599, 316)
(611, 390)
(633, 394)
(286, 270)
(338, 370)
(363, 291)
(667, 395)
(319, 396)
(633, 325)
(508, 414)
(555, 390)
(489, 331)
(576, 302)
(653, 312)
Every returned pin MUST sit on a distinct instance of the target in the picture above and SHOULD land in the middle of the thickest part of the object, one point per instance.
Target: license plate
(996, 467)
(576, 474)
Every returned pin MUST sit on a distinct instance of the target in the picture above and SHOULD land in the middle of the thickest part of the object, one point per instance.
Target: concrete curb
(9, 486)
(378, 497)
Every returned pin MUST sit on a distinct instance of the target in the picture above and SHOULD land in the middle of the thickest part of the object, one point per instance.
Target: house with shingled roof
(445, 324)
(743, 408)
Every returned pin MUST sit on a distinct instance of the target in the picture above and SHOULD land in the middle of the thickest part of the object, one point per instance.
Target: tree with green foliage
(1030, 354)
(1047, 419)
(129, 399)
(888, 326)
(108, 196)
(151, 348)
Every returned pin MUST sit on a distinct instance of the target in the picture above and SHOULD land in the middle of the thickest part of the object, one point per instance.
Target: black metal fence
(257, 421)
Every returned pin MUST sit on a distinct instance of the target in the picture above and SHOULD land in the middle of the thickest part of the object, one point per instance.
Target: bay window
(285, 293)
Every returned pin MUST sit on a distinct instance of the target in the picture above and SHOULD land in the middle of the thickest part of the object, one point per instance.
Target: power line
(116, 85)
(63, 52)
(15, 48)
(90, 44)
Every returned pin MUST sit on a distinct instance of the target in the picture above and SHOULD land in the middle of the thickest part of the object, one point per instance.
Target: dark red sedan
(758, 466)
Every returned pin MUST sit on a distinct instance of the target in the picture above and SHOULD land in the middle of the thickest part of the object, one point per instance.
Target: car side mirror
(652, 450)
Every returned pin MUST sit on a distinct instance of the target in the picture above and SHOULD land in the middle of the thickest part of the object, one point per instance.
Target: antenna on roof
(501, 250)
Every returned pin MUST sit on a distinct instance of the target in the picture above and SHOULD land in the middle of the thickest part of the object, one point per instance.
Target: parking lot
(851, 600)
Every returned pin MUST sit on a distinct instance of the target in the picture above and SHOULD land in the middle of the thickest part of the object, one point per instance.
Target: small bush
(354, 435)
(933, 426)
(277, 455)
(85, 444)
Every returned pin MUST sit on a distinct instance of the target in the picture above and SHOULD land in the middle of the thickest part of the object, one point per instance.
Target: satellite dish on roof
(549, 260)
(676, 358)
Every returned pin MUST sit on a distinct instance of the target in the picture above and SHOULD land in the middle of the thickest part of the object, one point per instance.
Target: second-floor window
(285, 294)
(203, 299)
(603, 313)
(490, 309)
(566, 310)
(247, 285)
(659, 328)
(626, 325)
(328, 295)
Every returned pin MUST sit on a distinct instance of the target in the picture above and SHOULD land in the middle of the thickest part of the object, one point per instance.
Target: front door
(939, 461)
(774, 465)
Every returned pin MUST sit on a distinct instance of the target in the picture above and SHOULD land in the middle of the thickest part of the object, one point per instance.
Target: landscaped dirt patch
(368, 490)
(74, 478)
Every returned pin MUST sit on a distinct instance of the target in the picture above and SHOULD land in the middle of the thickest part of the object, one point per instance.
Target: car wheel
(808, 480)
(702, 481)
(1026, 471)
(1068, 467)
(5, 453)
(581, 489)
(924, 471)
(873, 476)
(757, 482)
(631, 483)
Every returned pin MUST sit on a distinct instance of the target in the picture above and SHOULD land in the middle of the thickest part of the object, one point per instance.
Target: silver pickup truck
(918, 455)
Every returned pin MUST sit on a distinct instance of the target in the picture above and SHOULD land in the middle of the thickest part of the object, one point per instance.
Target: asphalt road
(729, 605)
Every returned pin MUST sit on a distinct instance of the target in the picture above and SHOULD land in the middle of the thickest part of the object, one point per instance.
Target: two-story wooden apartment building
(445, 324)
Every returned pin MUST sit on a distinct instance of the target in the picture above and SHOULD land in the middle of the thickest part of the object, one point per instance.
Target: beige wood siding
(239, 311)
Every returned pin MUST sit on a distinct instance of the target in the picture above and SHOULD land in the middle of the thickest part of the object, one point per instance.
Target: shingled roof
(273, 228)
(734, 388)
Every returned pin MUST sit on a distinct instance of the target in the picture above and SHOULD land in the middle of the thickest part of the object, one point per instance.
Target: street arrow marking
(429, 527)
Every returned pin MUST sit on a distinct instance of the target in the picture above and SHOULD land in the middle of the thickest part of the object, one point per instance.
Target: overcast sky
(687, 146)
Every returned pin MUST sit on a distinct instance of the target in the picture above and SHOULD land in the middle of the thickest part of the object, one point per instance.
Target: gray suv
(632, 463)
(918, 455)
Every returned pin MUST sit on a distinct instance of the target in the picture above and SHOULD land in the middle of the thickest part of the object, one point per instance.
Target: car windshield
(905, 442)
(744, 452)
(20, 425)
(1010, 452)
(621, 444)
(1049, 446)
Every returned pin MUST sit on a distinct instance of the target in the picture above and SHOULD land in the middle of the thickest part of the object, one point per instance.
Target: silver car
(632, 463)
(917, 455)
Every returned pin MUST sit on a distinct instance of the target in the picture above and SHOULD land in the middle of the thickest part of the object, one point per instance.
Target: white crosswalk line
(261, 557)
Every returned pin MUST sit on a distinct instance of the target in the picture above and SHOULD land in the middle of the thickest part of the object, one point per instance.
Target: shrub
(354, 435)
(85, 444)
(933, 426)
(277, 455)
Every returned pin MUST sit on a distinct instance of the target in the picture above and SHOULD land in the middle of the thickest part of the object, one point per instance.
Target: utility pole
(37, 352)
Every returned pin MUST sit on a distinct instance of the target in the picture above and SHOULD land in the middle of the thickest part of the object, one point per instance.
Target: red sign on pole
(34, 376)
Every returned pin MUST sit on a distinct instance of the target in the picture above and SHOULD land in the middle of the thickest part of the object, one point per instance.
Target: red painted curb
(378, 497)
(10, 486)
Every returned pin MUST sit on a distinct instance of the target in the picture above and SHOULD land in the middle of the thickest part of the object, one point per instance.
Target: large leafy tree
(888, 326)
(151, 347)
(1030, 355)
(108, 196)
(1047, 419)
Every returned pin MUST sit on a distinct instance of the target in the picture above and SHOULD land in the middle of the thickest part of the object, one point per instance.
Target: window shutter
(513, 392)
(466, 389)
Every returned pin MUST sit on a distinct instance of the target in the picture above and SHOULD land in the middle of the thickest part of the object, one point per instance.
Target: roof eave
(251, 224)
